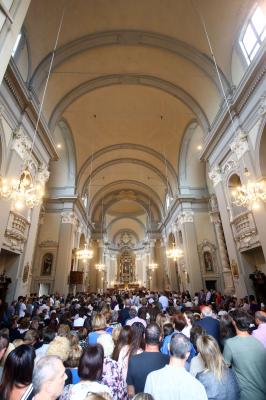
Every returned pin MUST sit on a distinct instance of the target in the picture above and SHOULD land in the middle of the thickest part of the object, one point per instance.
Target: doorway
(210, 285)
(44, 289)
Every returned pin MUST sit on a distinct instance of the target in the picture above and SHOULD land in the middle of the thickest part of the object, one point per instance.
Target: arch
(126, 184)
(129, 37)
(260, 149)
(125, 146)
(129, 79)
(128, 160)
(127, 217)
(126, 230)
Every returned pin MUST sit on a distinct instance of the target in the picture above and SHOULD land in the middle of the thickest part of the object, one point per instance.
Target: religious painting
(26, 273)
(208, 261)
(47, 263)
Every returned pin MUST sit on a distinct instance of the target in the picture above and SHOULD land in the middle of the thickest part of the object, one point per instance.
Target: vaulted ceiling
(128, 78)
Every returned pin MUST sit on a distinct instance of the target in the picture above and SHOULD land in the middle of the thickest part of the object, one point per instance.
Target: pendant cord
(215, 62)
(47, 79)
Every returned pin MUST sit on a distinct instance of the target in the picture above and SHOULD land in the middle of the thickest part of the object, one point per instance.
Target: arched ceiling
(128, 78)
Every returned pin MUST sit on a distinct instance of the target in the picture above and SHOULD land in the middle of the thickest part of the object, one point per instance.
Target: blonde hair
(108, 344)
(73, 339)
(211, 355)
(59, 347)
(115, 333)
(98, 322)
(161, 320)
(74, 357)
(18, 342)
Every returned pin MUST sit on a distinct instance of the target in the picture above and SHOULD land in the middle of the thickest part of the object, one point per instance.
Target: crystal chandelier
(100, 267)
(84, 254)
(174, 252)
(250, 194)
(23, 191)
(153, 266)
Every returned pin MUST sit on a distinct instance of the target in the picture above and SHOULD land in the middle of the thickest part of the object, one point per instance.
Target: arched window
(47, 263)
(254, 34)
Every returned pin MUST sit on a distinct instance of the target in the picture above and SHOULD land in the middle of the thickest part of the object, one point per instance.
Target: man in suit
(209, 324)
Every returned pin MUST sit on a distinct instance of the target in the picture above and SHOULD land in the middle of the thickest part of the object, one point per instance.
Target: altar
(126, 269)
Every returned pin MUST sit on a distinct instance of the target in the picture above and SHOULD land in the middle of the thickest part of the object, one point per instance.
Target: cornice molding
(27, 105)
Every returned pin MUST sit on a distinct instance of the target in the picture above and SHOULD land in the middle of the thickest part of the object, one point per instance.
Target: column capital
(262, 106)
(69, 217)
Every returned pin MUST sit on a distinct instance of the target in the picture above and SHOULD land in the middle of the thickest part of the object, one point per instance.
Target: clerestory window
(254, 34)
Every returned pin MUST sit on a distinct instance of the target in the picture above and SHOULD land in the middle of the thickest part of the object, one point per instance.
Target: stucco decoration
(21, 144)
(185, 217)
(239, 145)
(262, 107)
(207, 256)
(228, 167)
(245, 231)
(69, 217)
(215, 175)
(49, 243)
(42, 174)
(16, 232)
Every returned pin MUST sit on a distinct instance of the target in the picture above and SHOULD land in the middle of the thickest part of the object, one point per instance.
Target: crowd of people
(142, 345)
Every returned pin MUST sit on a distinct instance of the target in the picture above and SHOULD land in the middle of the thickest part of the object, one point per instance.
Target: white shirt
(174, 383)
(78, 322)
(22, 309)
(163, 300)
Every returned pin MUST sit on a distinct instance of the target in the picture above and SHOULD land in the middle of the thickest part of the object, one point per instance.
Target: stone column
(153, 259)
(193, 274)
(10, 31)
(159, 248)
(92, 269)
(64, 254)
(226, 270)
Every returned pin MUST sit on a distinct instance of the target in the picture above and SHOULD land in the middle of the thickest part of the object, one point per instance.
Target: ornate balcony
(245, 231)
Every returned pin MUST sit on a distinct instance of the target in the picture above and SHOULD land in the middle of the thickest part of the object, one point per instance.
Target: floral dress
(113, 378)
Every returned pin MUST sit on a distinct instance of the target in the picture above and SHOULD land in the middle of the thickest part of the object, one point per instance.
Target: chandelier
(23, 191)
(84, 254)
(250, 194)
(100, 267)
(174, 252)
(153, 266)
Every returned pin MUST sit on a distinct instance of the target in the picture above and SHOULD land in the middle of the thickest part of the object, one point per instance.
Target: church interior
(132, 145)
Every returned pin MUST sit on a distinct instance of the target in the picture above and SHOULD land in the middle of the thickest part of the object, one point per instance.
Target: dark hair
(17, 370)
(242, 319)
(179, 346)
(137, 340)
(91, 363)
(195, 332)
(179, 321)
(124, 338)
(167, 329)
(48, 335)
(4, 341)
(152, 334)
(227, 329)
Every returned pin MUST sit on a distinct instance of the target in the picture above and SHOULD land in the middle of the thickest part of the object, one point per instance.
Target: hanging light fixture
(174, 252)
(153, 266)
(250, 194)
(27, 190)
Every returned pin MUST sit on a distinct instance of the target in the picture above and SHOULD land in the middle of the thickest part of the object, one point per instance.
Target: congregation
(140, 345)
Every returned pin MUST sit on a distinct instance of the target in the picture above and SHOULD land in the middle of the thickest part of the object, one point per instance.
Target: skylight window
(16, 45)
(254, 34)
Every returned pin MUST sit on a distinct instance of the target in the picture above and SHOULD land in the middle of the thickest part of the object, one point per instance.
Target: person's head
(152, 335)
(133, 312)
(179, 321)
(48, 335)
(260, 317)
(63, 330)
(91, 363)
(241, 319)
(73, 338)
(227, 329)
(168, 329)
(162, 319)
(49, 377)
(74, 356)
(206, 311)
(18, 369)
(98, 322)
(127, 303)
(143, 396)
(137, 338)
(35, 323)
(82, 333)
(115, 333)
(125, 335)
(179, 347)
(59, 347)
(211, 355)
(195, 332)
(31, 337)
(108, 344)
(4, 342)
